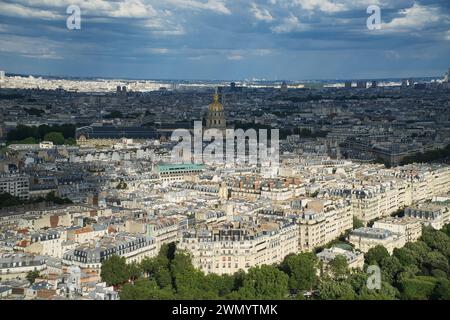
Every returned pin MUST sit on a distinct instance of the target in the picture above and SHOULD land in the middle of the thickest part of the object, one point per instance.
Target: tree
(144, 289)
(387, 292)
(264, 283)
(339, 266)
(436, 260)
(405, 256)
(330, 289)
(357, 223)
(302, 271)
(442, 290)
(376, 254)
(158, 268)
(32, 275)
(417, 288)
(390, 267)
(55, 137)
(134, 271)
(419, 251)
(436, 240)
(114, 271)
(8, 200)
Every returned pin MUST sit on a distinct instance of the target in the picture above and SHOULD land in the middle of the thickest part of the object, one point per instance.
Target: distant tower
(361, 85)
(404, 83)
(284, 87)
(216, 115)
(119, 90)
(374, 84)
(411, 82)
(2, 75)
(348, 84)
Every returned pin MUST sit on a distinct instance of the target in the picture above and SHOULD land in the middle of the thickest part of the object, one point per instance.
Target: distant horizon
(227, 39)
(68, 77)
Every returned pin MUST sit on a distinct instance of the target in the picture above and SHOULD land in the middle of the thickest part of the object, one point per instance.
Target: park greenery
(428, 156)
(58, 134)
(418, 271)
(8, 200)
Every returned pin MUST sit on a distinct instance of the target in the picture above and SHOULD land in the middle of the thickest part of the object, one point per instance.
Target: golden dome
(216, 106)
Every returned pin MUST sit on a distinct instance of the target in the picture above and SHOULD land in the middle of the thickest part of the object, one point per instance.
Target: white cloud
(30, 47)
(17, 10)
(156, 50)
(416, 17)
(235, 57)
(322, 5)
(327, 6)
(217, 6)
(261, 14)
(133, 9)
(447, 36)
(289, 24)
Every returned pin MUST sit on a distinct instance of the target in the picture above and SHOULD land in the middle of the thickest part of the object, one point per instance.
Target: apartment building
(86, 234)
(410, 227)
(323, 221)
(366, 238)
(435, 214)
(15, 184)
(47, 243)
(229, 247)
(17, 265)
(91, 256)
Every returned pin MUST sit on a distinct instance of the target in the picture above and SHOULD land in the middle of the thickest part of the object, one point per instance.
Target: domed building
(216, 115)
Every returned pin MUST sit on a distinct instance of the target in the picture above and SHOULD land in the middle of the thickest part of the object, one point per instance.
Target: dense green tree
(357, 223)
(405, 256)
(390, 268)
(339, 267)
(417, 288)
(446, 230)
(436, 240)
(330, 289)
(114, 271)
(436, 260)
(8, 200)
(29, 140)
(56, 137)
(264, 283)
(419, 250)
(387, 292)
(302, 271)
(145, 289)
(407, 272)
(441, 290)
(32, 275)
(134, 271)
(375, 255)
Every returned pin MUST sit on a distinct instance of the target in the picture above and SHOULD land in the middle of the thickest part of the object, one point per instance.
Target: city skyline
(225, 40)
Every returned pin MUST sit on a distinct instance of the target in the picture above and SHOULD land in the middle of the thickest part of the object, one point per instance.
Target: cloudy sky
(226, 39)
